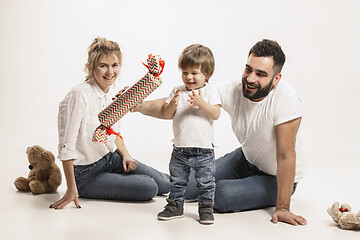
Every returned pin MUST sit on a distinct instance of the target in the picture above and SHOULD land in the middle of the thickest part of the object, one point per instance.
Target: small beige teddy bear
(344, 217)
(44, 175)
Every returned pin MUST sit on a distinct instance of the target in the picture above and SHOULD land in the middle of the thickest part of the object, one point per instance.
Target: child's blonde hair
(198, 55)
(100, 47)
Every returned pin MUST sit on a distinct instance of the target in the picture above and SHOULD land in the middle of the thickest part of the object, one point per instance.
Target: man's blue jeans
(106, 179)
(202, 161)
(240, 185)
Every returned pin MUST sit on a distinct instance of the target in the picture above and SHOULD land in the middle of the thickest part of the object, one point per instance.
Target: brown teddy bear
(44, 176)
(344, 217)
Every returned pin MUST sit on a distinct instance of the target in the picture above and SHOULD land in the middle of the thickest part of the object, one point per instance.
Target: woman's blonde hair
(100, 47)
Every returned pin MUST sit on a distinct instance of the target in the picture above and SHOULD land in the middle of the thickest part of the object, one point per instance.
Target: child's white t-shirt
(191, 127)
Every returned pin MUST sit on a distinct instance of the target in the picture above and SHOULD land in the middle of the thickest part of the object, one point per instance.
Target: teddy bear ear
(48, 156)
(27, 150)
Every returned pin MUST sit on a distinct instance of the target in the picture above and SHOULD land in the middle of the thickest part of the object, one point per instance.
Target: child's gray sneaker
(206, 212)
(172, 210)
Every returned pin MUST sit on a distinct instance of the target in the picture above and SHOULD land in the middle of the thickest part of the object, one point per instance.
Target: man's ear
(277, 79)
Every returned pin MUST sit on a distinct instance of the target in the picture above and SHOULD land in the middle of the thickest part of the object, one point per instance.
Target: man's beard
(260, 93)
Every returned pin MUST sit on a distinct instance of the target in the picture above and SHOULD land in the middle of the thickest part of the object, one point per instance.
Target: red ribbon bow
(110, 131)
(343, 210)
(161, 62)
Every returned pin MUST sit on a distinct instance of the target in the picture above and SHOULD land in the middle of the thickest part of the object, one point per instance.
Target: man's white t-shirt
(254, 122)
(191, 127)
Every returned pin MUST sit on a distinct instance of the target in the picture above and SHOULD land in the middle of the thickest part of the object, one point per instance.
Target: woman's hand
(120, 92)
(129, 164)
(71, 194)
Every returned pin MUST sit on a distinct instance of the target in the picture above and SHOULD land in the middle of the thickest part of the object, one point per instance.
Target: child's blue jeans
(202, 161)
(106, 179)
(240, 185)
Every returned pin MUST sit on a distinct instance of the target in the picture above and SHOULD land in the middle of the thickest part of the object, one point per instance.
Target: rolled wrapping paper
(129, 99)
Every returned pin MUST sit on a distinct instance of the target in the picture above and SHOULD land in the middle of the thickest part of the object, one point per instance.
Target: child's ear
(206, 77)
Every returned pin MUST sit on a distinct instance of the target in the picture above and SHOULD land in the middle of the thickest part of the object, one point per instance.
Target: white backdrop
(43, 49)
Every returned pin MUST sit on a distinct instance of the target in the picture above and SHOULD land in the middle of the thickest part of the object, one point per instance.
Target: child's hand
(195, 99)
(175, 99)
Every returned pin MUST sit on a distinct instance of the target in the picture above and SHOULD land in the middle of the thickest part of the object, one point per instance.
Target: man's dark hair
(269, 48)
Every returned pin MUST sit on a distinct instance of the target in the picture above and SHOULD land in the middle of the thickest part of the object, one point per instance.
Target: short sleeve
(214, 97)
(228, 97)
(287, 107)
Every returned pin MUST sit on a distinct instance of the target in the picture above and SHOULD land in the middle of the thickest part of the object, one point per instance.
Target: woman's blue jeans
(202, 161)
(106, 179)
(240, 185)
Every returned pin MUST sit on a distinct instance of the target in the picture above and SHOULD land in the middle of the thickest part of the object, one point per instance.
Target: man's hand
(284, 215)
(139, 108)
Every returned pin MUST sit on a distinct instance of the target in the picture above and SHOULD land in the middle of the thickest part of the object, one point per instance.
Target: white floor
(24, 216)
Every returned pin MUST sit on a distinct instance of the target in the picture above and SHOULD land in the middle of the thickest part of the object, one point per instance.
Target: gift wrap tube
(129, 99)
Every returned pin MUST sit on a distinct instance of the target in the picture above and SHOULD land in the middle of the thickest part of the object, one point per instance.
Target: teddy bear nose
(31, 167)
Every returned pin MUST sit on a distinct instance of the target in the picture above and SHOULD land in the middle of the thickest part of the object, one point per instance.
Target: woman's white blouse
(77, 121)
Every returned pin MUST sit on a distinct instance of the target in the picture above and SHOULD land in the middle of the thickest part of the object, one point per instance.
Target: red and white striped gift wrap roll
(129, 99)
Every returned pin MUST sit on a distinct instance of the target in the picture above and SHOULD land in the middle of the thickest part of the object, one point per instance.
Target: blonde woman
(96, 170)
